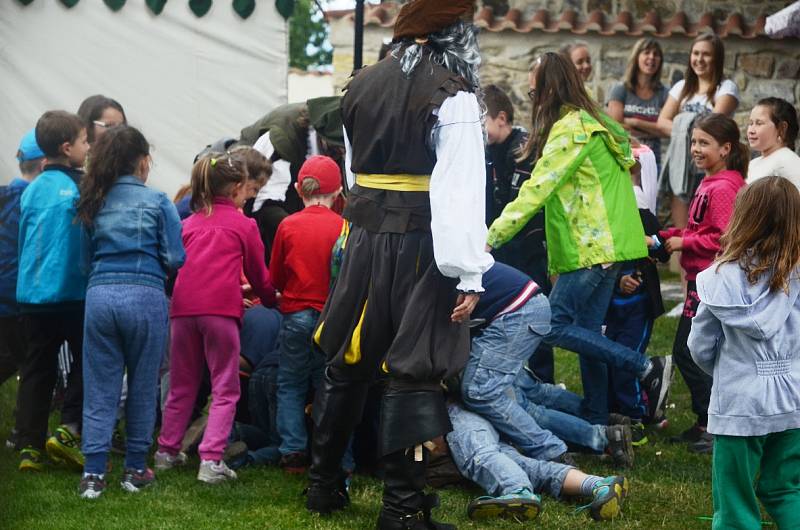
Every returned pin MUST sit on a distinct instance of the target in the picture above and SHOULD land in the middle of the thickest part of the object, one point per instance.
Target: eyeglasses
(532, 93)
(104, 125)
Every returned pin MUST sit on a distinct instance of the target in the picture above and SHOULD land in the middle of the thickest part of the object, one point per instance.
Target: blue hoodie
(53, 252)
(748, 339)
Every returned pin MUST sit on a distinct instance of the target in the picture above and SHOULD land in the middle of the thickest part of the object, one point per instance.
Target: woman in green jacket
(581, 178)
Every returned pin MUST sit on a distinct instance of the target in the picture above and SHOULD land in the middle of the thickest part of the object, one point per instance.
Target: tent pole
(358, 46)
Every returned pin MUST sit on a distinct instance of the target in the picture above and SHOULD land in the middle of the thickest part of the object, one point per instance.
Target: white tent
(184, 80)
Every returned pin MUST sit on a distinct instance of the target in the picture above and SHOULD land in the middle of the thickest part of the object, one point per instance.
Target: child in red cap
(301, 271)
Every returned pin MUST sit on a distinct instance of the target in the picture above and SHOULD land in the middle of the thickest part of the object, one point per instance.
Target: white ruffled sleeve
(458, 184)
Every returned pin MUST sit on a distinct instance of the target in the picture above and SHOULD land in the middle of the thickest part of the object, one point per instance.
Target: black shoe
(566, 459)
(691, 435)
(703, 446)
(294, 463)
(325, 501)
(620, 444)
(639, 434)
(618, 419)
(417, 521)
(656, 384)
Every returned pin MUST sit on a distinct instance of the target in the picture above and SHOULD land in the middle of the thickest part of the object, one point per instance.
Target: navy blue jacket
(9, 245)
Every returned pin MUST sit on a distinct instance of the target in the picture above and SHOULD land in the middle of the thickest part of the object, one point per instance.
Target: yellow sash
(400, 182)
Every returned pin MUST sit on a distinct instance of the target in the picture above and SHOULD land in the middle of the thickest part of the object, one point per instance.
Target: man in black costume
(412, 263)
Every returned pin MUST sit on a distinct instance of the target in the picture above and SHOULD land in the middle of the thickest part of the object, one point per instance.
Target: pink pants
(196, 342)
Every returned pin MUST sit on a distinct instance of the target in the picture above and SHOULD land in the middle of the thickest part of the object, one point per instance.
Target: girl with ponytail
(135, 237)
(717, 151)
(207, 310)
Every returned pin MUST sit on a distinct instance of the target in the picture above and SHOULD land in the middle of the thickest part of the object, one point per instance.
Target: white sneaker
(215, 472)
(165, 460)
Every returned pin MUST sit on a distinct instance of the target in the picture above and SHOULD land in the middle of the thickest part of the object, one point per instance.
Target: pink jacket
(709, 213)
(218, 247)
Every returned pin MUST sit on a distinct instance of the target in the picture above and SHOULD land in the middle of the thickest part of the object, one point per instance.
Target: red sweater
(709, 213)
(301, 258)
(218, 247)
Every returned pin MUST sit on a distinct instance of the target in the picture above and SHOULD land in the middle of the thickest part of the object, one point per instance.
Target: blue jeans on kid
(579, 301)
(120, 336)
(496, 357)
(301, 367)
(495, 466)
(628, 322)
(558, 410)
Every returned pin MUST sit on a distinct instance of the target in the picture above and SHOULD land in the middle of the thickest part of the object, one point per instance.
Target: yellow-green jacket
(582, 181)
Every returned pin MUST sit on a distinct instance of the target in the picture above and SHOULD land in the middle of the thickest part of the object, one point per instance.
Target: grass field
(670, 488)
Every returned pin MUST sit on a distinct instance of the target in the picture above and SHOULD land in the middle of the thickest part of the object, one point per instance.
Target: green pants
(766, 468)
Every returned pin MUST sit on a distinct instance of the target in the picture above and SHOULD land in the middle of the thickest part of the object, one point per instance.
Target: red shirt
(709, 214)
(218, 247)
(301, 258)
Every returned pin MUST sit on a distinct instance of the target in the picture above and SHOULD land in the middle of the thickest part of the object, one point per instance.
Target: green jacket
(582, 181)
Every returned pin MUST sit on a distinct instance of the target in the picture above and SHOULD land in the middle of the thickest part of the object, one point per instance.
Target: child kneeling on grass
(747, 335)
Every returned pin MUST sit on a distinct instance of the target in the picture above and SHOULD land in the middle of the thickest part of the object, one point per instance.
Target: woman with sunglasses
(582, 181)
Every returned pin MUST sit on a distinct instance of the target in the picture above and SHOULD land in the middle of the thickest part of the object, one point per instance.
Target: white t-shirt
(700, 103)
(782, 163)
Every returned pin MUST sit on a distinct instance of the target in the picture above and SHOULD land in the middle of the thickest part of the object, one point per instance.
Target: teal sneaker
(64, 447)
(522, 504)
(607, 498)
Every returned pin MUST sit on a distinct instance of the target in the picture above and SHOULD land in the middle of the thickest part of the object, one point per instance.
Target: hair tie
(421, 40)
(213, 162)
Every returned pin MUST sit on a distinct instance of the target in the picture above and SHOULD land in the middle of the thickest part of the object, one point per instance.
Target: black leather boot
(337, 409)
(405, 506)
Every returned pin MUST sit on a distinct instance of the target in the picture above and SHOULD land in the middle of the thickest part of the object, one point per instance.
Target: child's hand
(247, 303)
(628, 284)
(673, 244)
(465, 304)
(649, 241)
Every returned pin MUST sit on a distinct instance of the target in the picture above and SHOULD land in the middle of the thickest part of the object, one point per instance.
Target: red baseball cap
(325, 171)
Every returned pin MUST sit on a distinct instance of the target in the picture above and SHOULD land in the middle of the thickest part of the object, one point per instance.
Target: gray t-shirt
(644, 109)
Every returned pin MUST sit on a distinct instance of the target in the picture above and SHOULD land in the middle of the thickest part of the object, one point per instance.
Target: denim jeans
(558, 411)
(496, 357)
(301, 367)
(263, 402)
(579, 301)
(120, 336)
(495, 466)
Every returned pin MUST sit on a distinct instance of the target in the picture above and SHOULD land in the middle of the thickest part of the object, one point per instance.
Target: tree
(308, 37)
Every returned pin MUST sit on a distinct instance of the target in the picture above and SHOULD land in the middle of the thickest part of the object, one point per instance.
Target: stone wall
(760, 67)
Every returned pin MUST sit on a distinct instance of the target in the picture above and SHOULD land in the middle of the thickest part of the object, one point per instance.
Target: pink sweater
(218, 247)
(709, 213)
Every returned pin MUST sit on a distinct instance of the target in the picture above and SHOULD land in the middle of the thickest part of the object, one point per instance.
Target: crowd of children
(105, 286)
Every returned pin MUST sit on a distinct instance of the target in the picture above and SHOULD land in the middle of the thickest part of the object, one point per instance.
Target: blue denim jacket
(135, 237)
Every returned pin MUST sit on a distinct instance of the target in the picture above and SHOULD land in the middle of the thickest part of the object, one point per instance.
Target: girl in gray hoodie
(746, 334)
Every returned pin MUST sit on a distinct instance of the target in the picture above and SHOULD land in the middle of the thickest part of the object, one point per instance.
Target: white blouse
(782, 162)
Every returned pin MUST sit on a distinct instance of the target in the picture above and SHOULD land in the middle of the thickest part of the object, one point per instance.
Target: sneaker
(91, 486)
(64, 447)
(30, 459)
(212, 472)
(620, 444)
(638, 434)
(164, 460)
(607, 498)
(521, 504)
(294, 463)
(618, 419)
(690, 435)
(134, 480)
(704, 445)
(656, 384)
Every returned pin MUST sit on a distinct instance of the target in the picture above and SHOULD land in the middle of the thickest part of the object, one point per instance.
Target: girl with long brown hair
(581, 178)
(135, 240)
(717, 151)
(746, 334)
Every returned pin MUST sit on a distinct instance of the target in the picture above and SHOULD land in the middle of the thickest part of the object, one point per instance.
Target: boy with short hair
(301, 270)
(12, 343)
(51, 288)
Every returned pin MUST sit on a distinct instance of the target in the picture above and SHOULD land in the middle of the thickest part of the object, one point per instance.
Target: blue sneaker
(607, 498)
(522, 504)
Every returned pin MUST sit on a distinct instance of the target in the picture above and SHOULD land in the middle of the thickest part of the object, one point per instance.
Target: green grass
(670, 487)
